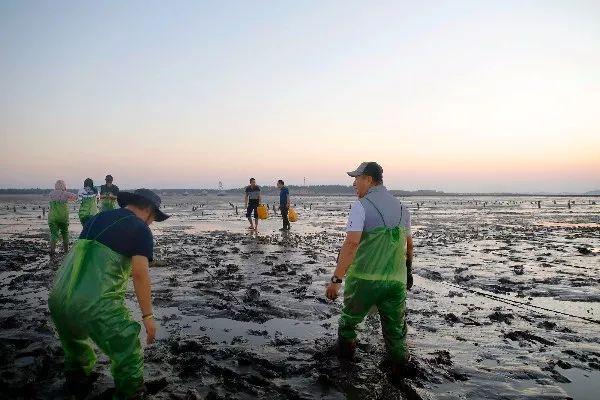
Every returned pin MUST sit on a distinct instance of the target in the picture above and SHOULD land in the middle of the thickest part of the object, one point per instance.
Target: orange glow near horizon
(462, 97)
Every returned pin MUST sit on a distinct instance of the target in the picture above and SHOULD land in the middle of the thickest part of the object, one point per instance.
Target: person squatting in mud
(376, 259)
(87, 301)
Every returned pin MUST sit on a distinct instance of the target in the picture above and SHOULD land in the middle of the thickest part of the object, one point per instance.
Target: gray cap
(369, 168)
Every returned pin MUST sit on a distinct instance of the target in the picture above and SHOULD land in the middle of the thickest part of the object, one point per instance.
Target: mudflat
(506, 303)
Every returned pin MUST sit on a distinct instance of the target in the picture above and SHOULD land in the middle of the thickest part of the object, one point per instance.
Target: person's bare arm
(347, 253)
(142, 285)
(246, 199)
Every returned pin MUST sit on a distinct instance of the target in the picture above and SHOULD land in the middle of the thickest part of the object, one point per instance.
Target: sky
(460, 96)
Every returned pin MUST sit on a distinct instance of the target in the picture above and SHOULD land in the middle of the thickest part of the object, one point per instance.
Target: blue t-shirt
(130, 236)
(284, 193)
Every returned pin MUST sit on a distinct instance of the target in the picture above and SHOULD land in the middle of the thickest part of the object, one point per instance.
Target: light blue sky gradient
(457, 95)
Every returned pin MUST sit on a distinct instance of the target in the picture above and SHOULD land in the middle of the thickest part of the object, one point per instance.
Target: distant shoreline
(314, 191)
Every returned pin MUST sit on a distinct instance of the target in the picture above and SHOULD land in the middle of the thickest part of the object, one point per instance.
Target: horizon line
(423, 192)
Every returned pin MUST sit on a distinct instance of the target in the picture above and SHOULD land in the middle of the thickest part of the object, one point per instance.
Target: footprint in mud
(525, 337)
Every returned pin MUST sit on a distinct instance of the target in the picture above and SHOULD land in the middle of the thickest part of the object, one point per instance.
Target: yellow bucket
(263, 211)
(292, 215)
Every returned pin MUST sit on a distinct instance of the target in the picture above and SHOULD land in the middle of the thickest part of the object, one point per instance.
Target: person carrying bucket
(108, 195)
(284, 204)
(88, 201)
(87, 301)
(376, 259)
(58, 216)
(252, 200)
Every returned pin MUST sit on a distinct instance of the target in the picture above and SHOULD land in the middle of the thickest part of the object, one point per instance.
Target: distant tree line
(314, 190)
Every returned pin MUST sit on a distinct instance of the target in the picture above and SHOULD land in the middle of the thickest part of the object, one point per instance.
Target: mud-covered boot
(78, 385)
(402, 369)
(139, 395)
(346, 349)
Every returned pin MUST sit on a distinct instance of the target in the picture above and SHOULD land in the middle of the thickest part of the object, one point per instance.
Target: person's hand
(150, 330)
(332, 290)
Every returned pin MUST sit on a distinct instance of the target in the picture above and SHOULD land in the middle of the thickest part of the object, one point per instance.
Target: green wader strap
(379, 212)
(79, 257)
(108, 227)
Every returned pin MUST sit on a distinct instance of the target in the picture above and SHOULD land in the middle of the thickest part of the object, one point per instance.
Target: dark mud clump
(498, 316)
(524, 336)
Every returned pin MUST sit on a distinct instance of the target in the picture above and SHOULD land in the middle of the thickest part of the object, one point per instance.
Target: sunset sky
(455, 96)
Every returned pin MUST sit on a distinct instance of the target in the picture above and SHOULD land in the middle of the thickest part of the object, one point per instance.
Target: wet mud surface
(243, 315)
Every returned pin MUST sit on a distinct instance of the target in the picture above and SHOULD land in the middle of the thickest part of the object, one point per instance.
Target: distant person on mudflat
(284, 204)
(88, 201)
(252, 201)
(58, 216)
(376, 259)
(108, 195)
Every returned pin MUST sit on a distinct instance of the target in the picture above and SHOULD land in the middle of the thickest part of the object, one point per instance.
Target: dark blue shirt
(129, 235)
(284, 193)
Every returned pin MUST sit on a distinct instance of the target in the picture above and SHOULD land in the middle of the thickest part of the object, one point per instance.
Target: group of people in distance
(87, 300)
(252, 200)
(58, 211)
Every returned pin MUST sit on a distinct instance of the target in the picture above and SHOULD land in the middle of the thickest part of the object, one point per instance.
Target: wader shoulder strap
(110, 226)
(377, 209)
(381, 215)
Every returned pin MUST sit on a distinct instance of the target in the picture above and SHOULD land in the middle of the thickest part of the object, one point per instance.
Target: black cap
(368, 168)
(124, 198)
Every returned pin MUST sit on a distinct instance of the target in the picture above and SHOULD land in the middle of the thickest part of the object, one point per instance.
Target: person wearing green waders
(87, 301)
(58, 216)
(108, 195)
(376, 259)
(88, 201)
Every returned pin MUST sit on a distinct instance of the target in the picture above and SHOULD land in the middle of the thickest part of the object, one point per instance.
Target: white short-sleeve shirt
(356, 219)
